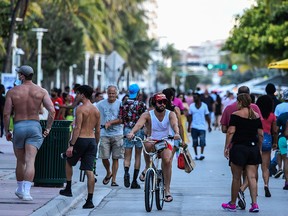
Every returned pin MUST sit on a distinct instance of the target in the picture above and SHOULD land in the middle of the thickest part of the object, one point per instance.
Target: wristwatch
(70, 144)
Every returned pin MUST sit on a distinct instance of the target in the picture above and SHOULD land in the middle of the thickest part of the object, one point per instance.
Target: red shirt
(57, 101)
(267, 123)
(225, 119)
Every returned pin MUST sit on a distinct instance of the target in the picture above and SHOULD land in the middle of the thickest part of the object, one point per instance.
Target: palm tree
(133, 44)
(90, 16)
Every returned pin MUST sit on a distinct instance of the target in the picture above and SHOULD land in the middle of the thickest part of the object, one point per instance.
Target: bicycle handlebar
(135, 138)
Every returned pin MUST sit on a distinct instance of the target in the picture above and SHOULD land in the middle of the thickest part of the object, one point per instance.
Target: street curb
(61, 204)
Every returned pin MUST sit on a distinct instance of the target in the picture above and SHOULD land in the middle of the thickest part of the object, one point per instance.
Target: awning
(283, 64)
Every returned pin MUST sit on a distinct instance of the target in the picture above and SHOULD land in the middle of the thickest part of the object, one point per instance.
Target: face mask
(18, 82)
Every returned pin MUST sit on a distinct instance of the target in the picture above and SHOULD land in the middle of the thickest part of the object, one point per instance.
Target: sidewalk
(46, 200)
(210, 181)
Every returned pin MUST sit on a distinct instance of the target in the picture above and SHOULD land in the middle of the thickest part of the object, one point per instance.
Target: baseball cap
(133, 91)
(160, 97)
(285, 94)
(25, 69)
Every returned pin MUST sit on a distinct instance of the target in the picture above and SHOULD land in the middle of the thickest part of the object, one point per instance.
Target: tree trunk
(7, 61)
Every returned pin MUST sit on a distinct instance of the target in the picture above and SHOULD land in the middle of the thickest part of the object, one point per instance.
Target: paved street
(199, 193)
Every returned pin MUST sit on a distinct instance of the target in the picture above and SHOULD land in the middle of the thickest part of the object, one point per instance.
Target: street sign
(114, 61)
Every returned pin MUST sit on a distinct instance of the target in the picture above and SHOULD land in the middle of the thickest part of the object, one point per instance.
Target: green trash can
(49, 166)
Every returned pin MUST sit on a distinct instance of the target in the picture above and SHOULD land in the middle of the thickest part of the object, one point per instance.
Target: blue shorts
(131, 144)
(282, 145)
(267, 142)
(201, 134)
(27, 132)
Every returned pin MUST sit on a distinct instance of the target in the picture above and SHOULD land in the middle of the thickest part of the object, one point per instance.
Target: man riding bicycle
(160, 123)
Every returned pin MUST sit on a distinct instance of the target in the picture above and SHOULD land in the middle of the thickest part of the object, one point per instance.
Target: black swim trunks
(86, 149)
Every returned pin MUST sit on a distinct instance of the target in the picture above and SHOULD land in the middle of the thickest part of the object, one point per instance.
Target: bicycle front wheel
(159, 192)
(149, 181)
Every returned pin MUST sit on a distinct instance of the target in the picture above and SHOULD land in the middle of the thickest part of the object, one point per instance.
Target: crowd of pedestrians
(107, 121)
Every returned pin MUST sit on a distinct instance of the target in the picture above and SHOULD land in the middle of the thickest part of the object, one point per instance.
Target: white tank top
(160, 129)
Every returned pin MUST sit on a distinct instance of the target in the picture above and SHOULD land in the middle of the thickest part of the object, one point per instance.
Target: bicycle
(154, 179)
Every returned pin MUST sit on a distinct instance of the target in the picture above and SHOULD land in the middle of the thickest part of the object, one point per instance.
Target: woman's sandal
(142, 177)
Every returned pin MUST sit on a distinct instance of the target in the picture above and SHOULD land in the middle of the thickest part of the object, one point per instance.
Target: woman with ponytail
(246, 134)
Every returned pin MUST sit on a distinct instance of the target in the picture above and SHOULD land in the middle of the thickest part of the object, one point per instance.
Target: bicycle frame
(154, 183)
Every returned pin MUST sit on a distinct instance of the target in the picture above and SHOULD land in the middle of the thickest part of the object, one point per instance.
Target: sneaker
(26, 191)
(127, 180)
(66, 192)
(241, 200)
(202, 157)
(135, 185)
(278, 174)
(27, 197)
(88, 204)
(197, 158)
(254, 208)
(228, 206)
(285, 186)
(267, 192)
(19, 194)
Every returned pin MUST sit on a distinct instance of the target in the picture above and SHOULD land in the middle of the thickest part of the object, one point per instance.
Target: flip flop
(142, 177)
(114, 184)
(106, 180)
(168, 198)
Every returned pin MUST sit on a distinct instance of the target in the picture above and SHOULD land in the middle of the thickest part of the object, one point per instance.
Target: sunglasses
(161, 102)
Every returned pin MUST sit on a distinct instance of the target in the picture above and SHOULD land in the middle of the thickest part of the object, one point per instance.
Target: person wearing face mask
(160, 122)
(58, 103)
(25, 101)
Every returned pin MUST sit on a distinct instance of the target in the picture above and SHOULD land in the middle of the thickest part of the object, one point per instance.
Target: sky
(191, 22)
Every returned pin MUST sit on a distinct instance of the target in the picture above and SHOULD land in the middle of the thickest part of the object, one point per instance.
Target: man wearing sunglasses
(160, 122)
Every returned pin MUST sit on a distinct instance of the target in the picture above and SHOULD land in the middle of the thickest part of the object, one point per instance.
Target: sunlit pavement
(199, 193)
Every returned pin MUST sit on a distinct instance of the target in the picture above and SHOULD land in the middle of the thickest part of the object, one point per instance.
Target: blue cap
(133, 91)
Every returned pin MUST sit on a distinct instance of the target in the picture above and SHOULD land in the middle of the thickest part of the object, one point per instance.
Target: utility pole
(39, 36)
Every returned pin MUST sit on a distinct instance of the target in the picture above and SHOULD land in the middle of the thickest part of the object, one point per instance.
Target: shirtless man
(159, 122)
(83, 144)
(24, 102)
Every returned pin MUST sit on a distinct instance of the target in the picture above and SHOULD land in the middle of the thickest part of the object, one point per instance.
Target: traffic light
(210, 66)
(234, 67)
(220, 73)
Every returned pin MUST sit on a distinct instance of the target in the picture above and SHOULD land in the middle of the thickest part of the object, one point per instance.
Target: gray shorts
(27, 132)
(111, 145)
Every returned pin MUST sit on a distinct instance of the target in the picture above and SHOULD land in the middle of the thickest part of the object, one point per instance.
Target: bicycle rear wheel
(149, 181)
(159, 192)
